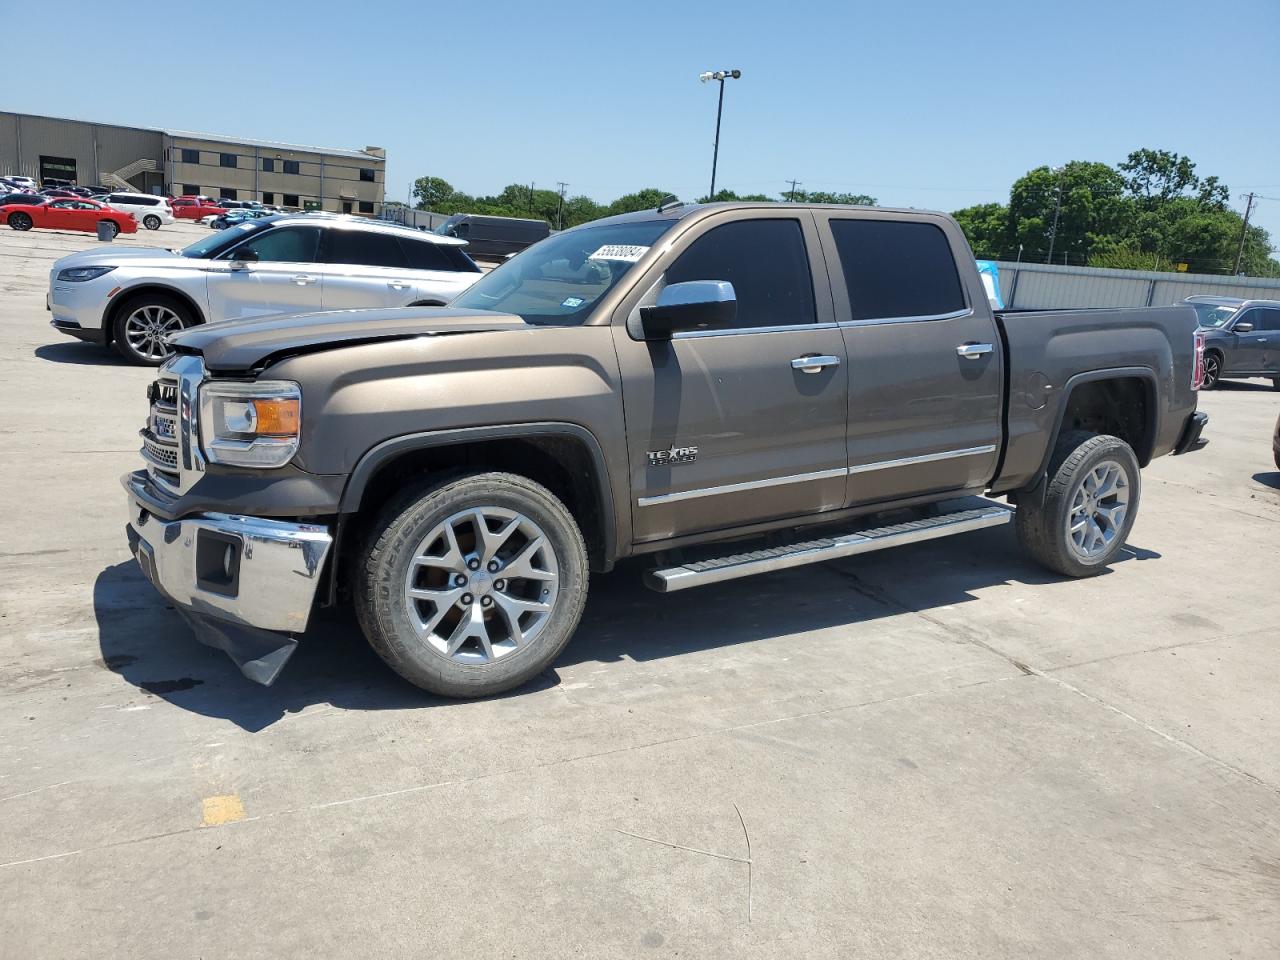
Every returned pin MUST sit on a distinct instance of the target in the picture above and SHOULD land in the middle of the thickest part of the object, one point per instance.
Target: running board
(700, 573)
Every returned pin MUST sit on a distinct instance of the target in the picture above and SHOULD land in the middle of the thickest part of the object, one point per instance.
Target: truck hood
(243, 345)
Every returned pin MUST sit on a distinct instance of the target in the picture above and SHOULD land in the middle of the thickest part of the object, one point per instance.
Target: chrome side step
(700, 573)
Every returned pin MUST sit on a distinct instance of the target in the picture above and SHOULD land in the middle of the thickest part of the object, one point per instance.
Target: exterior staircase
(119, 180)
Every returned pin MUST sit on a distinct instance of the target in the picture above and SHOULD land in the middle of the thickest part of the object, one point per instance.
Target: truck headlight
(81, 274)
(250, 424)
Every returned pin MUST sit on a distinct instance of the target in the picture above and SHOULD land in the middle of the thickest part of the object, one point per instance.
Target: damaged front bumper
(245, 584)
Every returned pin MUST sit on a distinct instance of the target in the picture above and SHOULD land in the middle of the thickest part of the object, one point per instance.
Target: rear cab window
(897, 269)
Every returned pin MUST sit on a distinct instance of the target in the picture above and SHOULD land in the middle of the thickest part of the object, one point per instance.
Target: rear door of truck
(926, 374)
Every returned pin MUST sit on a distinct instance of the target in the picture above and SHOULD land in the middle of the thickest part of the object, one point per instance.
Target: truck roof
(679, 212)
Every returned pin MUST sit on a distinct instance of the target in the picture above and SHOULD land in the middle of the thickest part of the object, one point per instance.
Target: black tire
(146, 300)
(1212, 370)
(151, 221)
(384, 564)
(20, 221)
(1042, 528)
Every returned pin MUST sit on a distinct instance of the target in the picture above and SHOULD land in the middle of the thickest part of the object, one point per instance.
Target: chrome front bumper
(239, 579)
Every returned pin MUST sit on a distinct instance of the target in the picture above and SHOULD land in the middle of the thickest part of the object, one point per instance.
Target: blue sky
(926, 104)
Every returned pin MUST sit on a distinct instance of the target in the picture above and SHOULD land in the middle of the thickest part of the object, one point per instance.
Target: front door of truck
(284, 277)
(925, 363)
(724, 428)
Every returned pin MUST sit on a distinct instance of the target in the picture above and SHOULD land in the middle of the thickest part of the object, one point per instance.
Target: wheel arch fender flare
(115, 303)
(1148, 378)
(384, 453)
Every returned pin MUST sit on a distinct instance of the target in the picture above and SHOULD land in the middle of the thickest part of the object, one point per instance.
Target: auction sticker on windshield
(626, 252)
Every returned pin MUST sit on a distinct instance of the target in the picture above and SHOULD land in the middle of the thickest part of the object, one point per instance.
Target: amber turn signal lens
(276, 416)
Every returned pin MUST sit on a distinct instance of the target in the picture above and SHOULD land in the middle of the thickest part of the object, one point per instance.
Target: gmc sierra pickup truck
(671, 383)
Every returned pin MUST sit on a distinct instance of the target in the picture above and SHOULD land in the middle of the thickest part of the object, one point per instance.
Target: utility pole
(720, 76)
(791, 197)
(1057, 208)
(1244, 230)
(531, 196)
(560, 206)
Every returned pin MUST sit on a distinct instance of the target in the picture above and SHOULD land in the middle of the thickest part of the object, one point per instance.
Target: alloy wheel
(1212, 370)
(146, 328)
(482, 585)
(1098, 510)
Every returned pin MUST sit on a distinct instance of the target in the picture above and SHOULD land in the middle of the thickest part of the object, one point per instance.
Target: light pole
(720, 75)
(1057, 208)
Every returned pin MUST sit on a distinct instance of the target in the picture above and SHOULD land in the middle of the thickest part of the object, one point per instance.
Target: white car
(134, 297)
(151, 212)
(24, 184)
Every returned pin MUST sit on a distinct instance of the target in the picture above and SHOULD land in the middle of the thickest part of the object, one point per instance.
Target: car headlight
(250, 424)
(81, 274)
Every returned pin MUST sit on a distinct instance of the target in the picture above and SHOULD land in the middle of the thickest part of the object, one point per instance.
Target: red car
(77, 214)
(193, 208)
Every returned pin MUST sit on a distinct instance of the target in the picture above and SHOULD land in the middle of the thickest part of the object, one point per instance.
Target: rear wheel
(20, 221)
(151, 221)
(472, 585)
(1212, 371)
(1089, 506)
(143, 323)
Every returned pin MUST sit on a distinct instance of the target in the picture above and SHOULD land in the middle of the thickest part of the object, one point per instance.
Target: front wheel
(1089, 506)
(472, 585)
(1212, 371)
(151, 222)
(21, 221)
(142, 325)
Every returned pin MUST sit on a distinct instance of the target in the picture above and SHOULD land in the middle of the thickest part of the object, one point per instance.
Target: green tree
(646, 199)
(986, 226)
(1092, 217)
(822, 196)
(431, 192)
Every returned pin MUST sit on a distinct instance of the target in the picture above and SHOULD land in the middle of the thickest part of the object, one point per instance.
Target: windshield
(446, 229)
(1214, 314)
(560, 280)
(215, 243)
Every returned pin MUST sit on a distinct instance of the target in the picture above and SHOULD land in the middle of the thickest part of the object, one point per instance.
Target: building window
(227, 194)
(191, 189)
(268, 198)
(190, 156)
(366, 206)
(268, 165)
(290, 199)
(366, 174)
(290, 166)
(226, 159)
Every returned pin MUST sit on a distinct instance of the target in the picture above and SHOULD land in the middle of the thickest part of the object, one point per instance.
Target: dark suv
(1242, 338)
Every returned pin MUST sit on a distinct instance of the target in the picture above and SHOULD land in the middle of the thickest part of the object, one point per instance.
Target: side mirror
(693, 305)
(1243, 326)
(241, 259)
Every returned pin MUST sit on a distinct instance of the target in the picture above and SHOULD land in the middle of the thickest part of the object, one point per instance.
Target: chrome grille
(160, 435)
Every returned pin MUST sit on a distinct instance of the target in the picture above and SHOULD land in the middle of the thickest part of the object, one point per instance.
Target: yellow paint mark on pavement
(220, 810)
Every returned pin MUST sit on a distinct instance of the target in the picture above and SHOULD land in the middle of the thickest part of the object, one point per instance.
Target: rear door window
(897, 268)
(767, 263)
(365, 248)
(1267, 320)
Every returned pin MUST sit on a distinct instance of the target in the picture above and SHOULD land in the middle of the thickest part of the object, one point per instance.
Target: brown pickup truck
(673, 384)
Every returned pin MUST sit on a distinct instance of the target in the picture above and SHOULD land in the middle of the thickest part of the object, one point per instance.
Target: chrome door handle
(397, 284)
(302, 279)
(972, 351)
(814, 364)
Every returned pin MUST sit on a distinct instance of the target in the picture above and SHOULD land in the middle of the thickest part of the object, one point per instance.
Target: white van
(149, 211)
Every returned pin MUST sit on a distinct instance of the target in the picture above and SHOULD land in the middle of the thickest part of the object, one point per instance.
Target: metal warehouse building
(178, 162)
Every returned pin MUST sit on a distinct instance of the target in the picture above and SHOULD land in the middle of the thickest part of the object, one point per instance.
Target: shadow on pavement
(1269, 478)
(85, 354)
(1243, 385)
(150, 646)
